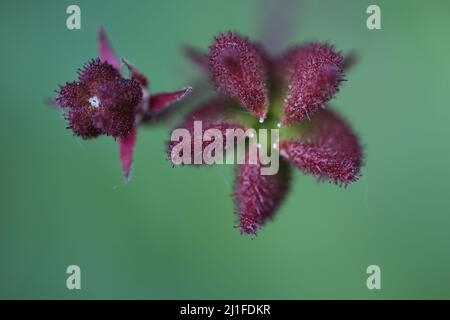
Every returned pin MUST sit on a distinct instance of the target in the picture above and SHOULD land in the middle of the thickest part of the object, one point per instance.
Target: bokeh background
(168, 234)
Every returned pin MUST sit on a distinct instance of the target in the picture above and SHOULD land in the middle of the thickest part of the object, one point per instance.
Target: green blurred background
(168, 234)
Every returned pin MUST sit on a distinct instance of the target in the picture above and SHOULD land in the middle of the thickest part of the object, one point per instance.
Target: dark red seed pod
(257, 196)
(328, 149)
(238, 69)
(314, 73)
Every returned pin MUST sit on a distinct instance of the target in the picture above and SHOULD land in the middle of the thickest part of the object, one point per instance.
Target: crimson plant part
(103, 102)
(291, 92)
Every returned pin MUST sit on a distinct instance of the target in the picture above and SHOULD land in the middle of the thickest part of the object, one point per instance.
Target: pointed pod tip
(162, 100)
(105, 51)
(238, 69)
(126, 151)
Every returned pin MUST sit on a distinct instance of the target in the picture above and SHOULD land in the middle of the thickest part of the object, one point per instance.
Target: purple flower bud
(103, 102)
(107, 101)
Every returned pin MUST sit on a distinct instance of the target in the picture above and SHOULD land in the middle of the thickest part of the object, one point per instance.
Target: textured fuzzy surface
(81, 122)
(117, 99)
(213, 114)
(257, 196)
(221, 126)
(238, 69)
(103, 102)
(115, 123)
(119, 94)
(328, 149)
(73, 95)
(313, 74)
(95, 73)
(306, 77)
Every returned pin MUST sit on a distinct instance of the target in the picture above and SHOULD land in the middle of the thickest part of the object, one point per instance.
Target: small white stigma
(261, 120)
(279, 125)
(145, 94)
(94, 101)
